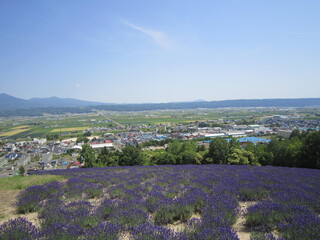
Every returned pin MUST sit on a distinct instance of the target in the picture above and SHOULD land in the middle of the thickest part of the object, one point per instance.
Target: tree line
(302, 149)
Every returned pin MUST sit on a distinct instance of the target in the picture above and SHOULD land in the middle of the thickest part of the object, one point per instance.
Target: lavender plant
(19, 228)
(140, 202)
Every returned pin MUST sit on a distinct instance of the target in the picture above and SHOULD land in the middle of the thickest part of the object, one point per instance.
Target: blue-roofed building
(254, 140)
(11, 156)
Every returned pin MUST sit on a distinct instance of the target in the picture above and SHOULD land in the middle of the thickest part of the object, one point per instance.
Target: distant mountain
(12, 106)
(61, 102)
(10, 102)
(296, 102)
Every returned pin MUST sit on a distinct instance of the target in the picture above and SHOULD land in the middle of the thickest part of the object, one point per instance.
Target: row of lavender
(141, 202)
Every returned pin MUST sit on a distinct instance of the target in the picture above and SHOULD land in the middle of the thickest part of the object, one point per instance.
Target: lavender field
(172, 202)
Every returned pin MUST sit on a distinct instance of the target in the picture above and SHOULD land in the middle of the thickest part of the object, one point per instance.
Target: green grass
(19, 182)
(172, 213)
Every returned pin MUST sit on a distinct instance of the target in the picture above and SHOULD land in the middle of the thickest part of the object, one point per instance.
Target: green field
(72, 126)
(14, 131)
(39, 127)
(71, 129)
(20, 182)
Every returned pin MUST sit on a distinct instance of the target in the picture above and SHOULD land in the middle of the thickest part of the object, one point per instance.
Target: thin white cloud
(159, 38)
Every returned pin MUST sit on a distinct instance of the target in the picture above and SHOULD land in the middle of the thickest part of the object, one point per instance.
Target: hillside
(8, 102)
(12, 106)
(170, 202)
(297, 102)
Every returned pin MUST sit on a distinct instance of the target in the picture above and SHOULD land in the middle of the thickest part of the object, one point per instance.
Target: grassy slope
(19, 182)
(11, 186)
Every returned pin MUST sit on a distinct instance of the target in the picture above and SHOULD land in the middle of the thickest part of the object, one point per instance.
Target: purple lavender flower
(19, 228)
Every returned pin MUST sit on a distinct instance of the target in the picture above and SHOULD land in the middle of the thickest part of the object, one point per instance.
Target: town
(61, 148)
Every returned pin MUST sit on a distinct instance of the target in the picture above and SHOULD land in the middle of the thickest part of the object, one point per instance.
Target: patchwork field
(171, 202)
(37, 127)
(14, 131)
(68, 129)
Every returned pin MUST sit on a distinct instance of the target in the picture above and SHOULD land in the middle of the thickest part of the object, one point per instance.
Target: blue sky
(138, 51)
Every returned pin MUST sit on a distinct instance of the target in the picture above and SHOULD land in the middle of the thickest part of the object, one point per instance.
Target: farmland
(67, 125)
(69, 129)
(14, 131)
(21, 128)
(172, 202)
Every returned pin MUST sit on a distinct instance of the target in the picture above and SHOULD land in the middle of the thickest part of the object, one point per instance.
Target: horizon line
(182, 101)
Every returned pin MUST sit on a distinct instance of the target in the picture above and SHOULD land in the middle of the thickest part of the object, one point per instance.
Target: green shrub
(172, 213)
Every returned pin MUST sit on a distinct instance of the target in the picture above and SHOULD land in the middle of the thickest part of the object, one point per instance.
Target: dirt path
(180, 226)
(7, 200)
(7, 212)
(7, 208)
(239, 226)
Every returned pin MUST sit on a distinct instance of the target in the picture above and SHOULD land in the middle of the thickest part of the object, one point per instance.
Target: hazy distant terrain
(302, 102)
(10, 102)
(12, 106)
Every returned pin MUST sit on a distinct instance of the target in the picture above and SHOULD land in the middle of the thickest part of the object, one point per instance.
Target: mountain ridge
(10, 102)
(10, 105)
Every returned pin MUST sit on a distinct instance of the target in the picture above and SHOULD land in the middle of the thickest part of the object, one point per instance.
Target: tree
(107, 157)
(87, 156)
(310, 151)
(218, 152)
(240, 157)
(188, 157)
(174, 148)
(251, 158)
(294, 151)
(21, 170)
(148, 157)
(274, 150)
(203, 124)
(188, 146)
(82, 139)
(51, 137)
(250, 147)
(235, 157)
(262, 156)
(201, 148)
(233, 143)
(184, 152)
(285, 152)
(295, 133)
(87, 134)
(163, 158)
(70, 151)
(131, 156)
